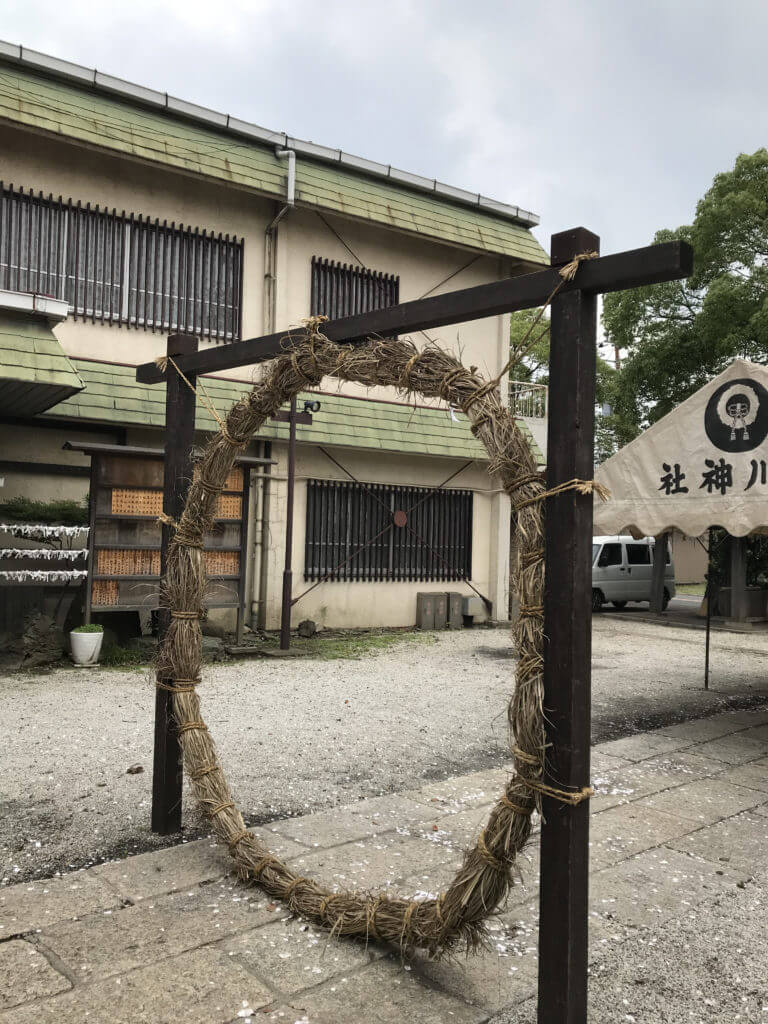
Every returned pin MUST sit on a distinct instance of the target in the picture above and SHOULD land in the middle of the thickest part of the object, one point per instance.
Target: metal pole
(657, 573)
(285, 616)
(709, 591)
(179, 438)
(567, 652)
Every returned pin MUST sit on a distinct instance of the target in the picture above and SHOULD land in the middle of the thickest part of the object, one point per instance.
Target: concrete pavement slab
(169, 870)
(182, 867)
(25, 974)
(109, 943)
(34, 905)
(466, 791)
(736, 844)
(643, 745)
(293, 955)
(629, 829)
(753, 775)
(705, 801)
(700, 729)
(374, 864)
(354, 821)
(504, 974)
(656, 885)
(641, 778)
(387, 992)
(744, 718)
(734, 749)
(202, 987)
(457, 831)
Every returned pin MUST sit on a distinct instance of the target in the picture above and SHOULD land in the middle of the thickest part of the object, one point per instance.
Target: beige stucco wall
(690, 558)
(359, 604)
(62, 168)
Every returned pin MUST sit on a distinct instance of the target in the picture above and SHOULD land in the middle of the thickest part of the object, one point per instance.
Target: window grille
(339, 290)
(351, 533)
(121, 269)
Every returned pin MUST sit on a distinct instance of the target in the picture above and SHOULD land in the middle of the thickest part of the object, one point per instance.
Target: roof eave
(99, 82)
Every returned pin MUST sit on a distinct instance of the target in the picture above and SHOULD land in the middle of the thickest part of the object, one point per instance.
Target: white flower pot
(86, 647)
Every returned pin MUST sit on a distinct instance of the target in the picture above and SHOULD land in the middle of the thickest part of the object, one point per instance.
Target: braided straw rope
(456, 918)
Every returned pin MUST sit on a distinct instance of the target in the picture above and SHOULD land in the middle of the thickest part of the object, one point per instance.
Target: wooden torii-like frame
(563, 954)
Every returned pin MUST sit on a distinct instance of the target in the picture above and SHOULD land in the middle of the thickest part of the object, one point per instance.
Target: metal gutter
(101, 82)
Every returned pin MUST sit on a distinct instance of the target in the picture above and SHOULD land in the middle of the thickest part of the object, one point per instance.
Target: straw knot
(568, 272)
(404, 380)
(478, 394)
(517, 808)
(572, 797)
(237, 838)
(487, 856)
(189, 726)
(531, 611)
(175, 688)
(446, 384)
(580, 486)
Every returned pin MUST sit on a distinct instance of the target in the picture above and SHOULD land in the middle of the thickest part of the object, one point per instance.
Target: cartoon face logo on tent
(736, 417)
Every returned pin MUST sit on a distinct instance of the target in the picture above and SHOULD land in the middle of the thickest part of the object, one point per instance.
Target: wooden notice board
(124, 560)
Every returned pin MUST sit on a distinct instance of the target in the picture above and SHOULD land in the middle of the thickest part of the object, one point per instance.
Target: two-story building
(145, 215)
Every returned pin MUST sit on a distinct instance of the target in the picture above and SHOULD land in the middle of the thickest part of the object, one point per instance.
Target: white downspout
(260, 578)
(270, 243)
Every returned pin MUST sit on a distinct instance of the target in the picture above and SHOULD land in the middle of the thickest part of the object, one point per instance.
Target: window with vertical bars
(351, 532)
(339, 290)
(121, 269)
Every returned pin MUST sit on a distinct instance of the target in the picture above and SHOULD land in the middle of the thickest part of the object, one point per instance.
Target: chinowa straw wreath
(457, 916)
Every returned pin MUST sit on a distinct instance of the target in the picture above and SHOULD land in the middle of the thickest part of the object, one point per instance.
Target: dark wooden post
(660, 549)
(738, 579)
(179, 438)
(567, 627)
(285, 615)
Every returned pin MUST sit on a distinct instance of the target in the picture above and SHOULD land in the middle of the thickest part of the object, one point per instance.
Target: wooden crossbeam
(650, 265)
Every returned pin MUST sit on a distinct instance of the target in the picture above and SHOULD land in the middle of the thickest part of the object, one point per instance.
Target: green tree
(680, 334)
(529, 346)
(529, 362)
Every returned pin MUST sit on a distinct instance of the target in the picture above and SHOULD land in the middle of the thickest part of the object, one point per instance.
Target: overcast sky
(614, 115)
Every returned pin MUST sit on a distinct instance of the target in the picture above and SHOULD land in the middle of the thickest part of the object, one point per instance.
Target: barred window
(121, 269)
(339, 290)
(381, 532)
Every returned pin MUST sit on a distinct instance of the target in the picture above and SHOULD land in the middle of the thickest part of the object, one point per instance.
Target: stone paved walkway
(680, 821)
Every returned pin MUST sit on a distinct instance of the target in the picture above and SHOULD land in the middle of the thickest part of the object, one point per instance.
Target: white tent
(704, 464)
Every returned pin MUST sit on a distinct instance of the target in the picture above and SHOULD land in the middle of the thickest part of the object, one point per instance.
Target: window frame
(79, 252)
(344, 516)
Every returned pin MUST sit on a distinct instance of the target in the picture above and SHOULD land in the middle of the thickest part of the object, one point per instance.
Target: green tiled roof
(89, 116)
(112, 395)
(35, 373)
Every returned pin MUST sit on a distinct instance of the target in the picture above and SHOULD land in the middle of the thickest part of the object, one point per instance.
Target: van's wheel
(619, 604)
(597, 600)
(665, 600)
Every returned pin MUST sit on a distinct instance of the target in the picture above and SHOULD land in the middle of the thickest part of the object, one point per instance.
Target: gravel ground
(300, 735)
(643, 981)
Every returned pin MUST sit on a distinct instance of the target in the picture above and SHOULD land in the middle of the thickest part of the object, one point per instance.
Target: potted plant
(86, 644)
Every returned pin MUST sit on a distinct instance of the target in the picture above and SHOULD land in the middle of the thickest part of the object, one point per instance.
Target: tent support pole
(709, 592)
(660, 549)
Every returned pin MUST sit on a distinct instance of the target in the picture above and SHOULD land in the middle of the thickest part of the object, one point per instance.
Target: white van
(621, 571)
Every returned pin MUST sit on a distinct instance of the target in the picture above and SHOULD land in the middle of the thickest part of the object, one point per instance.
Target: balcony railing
(528, 400)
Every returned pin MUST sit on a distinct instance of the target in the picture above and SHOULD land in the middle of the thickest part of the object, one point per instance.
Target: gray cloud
(608, 114)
